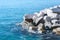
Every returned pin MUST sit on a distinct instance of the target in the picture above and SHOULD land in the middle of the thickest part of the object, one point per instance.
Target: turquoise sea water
(10, 16)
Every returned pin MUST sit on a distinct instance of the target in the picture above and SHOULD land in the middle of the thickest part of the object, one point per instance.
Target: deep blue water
(10, 16)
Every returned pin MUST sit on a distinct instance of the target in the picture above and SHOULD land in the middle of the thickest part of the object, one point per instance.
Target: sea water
(9, 17)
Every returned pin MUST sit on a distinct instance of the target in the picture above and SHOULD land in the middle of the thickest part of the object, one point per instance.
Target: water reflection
(24, 35)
